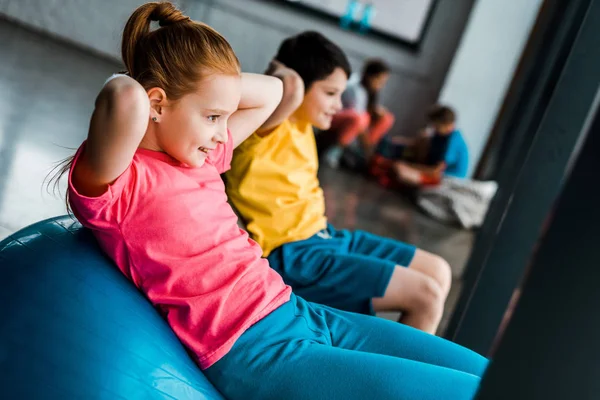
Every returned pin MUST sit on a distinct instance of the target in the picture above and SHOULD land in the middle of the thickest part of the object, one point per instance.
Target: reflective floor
(47, 95)
(47, 92)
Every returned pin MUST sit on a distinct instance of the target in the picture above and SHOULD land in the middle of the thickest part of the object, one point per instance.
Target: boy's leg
(318, 272)
(329, 269)
(364, 284)
(407, 175)
(403, 254)
(419, 291)
(416, 295)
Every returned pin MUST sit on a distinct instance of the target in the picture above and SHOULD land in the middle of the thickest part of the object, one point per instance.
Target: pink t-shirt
(170, 230)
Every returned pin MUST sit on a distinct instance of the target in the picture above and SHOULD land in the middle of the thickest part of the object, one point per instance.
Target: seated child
(441, 151)
(447, 156)
(274, 186)
(362, 116)
(147, 183)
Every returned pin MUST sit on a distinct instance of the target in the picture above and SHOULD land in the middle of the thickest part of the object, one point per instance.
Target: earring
(154, 119)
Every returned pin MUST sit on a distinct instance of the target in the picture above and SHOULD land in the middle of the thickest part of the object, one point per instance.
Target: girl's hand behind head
(191, 75)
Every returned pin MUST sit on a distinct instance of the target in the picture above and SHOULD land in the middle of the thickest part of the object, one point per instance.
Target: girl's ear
(158, 100)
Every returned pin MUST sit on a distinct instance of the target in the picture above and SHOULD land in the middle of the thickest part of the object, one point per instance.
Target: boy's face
(323, 100)
(444, 129)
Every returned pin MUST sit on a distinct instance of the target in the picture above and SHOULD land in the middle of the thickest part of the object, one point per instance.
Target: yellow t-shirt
(273, 184)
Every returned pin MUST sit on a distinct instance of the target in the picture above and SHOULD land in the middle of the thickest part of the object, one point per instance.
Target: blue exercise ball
(74, 327)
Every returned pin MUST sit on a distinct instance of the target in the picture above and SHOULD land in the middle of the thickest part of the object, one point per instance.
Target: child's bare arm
(117, 127)
(293, 95)
(260, 96)
(426, 169)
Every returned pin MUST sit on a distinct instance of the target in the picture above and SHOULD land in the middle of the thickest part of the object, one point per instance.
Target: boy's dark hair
(374, 67)
(441, 115)
(312, 56)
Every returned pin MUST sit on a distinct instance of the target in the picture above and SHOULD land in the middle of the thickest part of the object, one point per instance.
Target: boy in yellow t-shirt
(274, 186)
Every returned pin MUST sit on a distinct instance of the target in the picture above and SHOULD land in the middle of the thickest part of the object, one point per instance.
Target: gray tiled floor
(47, 94)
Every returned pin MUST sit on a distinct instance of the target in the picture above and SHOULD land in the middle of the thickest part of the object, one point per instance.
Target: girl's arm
(293, 95)
(117, 127)
(260, 95)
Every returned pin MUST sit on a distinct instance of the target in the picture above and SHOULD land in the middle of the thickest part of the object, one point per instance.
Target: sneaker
(333, 156)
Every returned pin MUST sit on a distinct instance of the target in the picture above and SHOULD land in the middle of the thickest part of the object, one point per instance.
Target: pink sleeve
(222, 155)
(93, 211)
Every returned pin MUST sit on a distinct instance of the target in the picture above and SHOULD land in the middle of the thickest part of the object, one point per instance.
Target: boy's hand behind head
(287, 75)
(293, 94)
(274, 67)
(314, 72)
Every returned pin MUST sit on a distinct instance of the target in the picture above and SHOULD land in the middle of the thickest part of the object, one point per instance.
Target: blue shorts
(308, 351)
(341, 269)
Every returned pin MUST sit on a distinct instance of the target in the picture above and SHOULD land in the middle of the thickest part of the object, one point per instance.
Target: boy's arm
(293, 95)
(428, 169)
(260, 96)
(117, 127)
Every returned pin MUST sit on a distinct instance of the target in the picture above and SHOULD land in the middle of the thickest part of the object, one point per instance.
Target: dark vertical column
(529, 186)
(550, 349)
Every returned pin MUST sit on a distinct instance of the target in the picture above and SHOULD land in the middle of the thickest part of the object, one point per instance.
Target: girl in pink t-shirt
(147, 183)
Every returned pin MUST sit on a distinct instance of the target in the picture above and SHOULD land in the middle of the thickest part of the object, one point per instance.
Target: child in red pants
(362, 116)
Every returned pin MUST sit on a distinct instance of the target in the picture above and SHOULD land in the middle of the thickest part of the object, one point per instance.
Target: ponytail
(178, 54)
(138, 27)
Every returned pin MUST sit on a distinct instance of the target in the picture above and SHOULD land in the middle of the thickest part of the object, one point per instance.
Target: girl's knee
(348, 124)
(358, 120)
(389, 118)
(364, 120)
(349, 116)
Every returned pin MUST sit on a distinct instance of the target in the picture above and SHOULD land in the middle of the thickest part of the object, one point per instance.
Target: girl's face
(323, 100)
(378, 82)
(189, 128)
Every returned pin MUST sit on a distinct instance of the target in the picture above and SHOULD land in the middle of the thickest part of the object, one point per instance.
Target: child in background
(447, 153)
(147, 183)
(362, 116)
(434, 172)
(273, 184)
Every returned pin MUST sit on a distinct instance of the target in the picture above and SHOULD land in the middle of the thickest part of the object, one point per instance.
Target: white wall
(255, 28)
(484, 65)
(97, 25)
